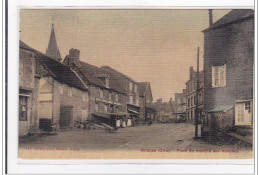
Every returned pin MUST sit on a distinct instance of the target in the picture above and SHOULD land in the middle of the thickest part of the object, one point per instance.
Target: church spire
(53, 50)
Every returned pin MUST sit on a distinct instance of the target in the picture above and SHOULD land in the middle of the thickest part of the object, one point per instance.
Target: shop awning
(102, 114)
(120, 114)
(109, 114)
(132, 111)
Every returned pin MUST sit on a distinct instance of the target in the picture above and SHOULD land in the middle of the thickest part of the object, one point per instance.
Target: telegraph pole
(197, 94)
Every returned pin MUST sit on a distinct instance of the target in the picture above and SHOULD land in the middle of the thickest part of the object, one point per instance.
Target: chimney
(74, 54)
(210, 17)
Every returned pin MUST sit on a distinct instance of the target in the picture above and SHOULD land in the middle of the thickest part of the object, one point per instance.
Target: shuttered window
(219, 76)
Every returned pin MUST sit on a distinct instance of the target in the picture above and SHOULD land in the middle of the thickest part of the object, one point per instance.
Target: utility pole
(197, 94)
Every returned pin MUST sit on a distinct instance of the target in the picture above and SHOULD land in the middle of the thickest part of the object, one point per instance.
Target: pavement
(174, 136)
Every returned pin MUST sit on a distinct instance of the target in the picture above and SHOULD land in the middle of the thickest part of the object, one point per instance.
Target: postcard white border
(118, 167)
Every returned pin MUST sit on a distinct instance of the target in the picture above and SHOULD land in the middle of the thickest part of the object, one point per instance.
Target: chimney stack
(74, 54)
(210, 17)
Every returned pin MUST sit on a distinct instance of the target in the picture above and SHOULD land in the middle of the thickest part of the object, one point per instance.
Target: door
(243, 113)
(65, 116)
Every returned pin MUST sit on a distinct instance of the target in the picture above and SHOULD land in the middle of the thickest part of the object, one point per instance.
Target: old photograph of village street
(136, 84)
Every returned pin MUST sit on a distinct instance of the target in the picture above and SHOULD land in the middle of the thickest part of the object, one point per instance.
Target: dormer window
(104, 78)
(135, 88)
(130, 86)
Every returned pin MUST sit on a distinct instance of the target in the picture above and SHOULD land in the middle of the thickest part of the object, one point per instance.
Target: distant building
(164, 110)
(228, 71)
(130, 88)
(146, 98)
(180, 103)
(191, 87)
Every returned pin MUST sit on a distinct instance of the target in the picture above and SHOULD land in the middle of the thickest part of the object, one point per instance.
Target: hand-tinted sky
(157, 46)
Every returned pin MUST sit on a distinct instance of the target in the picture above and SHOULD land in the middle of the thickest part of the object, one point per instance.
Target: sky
(156, 46)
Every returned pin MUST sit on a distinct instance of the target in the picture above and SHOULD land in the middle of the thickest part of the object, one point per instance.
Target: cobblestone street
(157, 136)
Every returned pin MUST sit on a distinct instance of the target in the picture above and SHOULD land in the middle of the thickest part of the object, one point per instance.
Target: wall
(26, 69)
(28, 85)
(76, 101)
(51, 99)
(231, 45)
(46, 98)
(95, 97)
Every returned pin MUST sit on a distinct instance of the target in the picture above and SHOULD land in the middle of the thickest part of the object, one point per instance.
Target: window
(101, 93)
(219, 76)
(111, 109)
(135, 88)
(130, 86)
(105, 108)
(137, 101)
(200, 98)
(116, 97)
(70, 91)
(22, 108)
(107, 82)
(84, 97)
(243, 113)
(131, 99)
(188, 102)
(96, 106)
(110, 96)
(83, 114)
(61, 88)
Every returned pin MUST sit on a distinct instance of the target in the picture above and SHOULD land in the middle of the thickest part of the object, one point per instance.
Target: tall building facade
(228, 71)
(191, 87)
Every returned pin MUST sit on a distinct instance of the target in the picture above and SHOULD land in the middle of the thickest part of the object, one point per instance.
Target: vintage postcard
(101, 84)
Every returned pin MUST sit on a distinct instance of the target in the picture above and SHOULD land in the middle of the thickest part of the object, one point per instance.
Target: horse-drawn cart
(109, 128)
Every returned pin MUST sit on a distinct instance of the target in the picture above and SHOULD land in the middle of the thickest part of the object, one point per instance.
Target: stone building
(107, 98)
(61, 98)
(180, 104)
(28, 90)
(147, 112)
(165, 111)
(191, 86)
(130, 88)
(228, 72)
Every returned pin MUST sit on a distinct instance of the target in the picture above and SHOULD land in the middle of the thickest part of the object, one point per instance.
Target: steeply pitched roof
(232, 16)
(53, 50)
(142, 86)
(58, 70)
(118, 73)
(91, 72)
